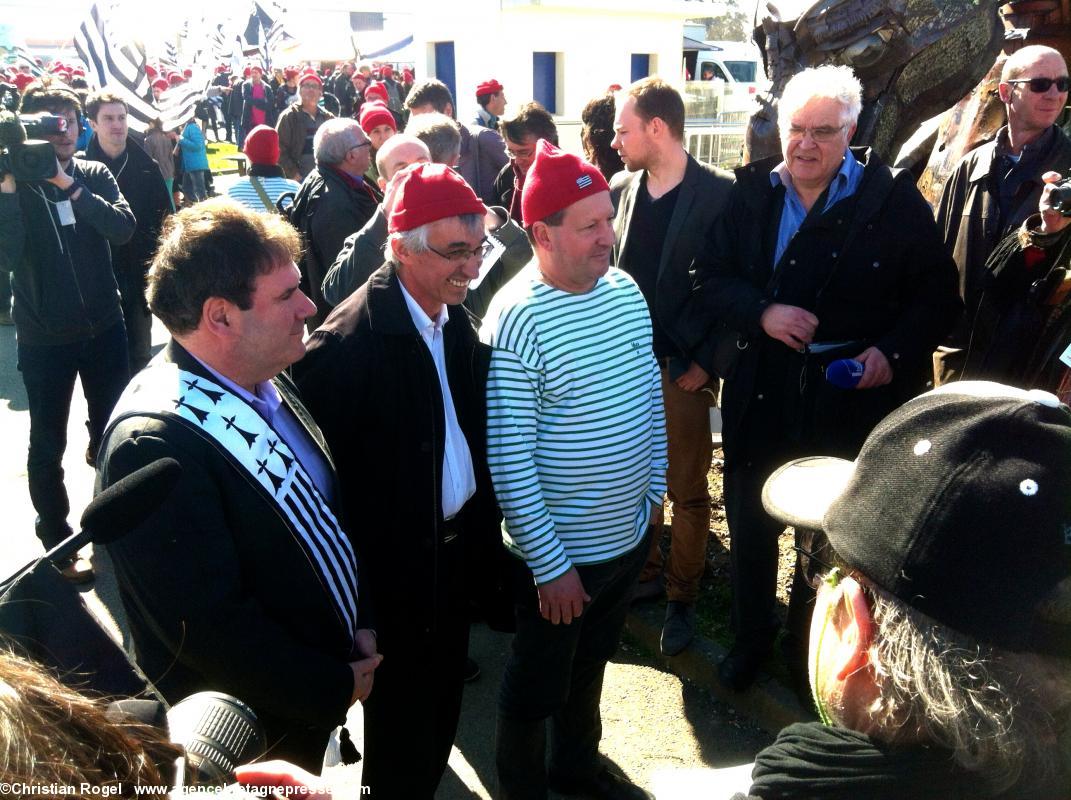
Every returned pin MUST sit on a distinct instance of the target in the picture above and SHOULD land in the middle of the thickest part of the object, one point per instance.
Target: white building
(557, 52)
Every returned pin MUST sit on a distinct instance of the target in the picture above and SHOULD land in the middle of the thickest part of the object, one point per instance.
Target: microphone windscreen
(129, 501)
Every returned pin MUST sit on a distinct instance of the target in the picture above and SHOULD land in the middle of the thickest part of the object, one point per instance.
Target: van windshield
(742, 71)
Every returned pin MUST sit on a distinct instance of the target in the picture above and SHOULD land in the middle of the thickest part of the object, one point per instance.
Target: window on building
(641, 66)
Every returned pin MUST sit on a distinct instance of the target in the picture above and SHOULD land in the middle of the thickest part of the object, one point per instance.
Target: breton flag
(222, 49)
(25, 57)
(171, 54)
(265, 34)
(120, 67)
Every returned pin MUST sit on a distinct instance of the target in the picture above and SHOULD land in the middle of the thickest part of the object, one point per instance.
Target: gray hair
(440, 133)
(985, 705)
(416, 240)
(335, 138)
(1021, 59)
(834, 82)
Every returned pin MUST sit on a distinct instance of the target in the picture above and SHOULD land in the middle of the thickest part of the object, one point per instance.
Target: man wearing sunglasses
(997, 186)
(396, 379)
(940, 646)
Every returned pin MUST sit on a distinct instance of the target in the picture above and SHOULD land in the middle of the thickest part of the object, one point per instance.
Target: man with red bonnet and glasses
(576, 445)
(396, 379)
(297, 127)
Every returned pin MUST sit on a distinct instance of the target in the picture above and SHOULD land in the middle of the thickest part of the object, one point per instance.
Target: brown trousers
(688, 434)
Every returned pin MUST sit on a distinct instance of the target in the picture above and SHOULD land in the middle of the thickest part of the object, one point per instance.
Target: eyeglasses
(815, 571)
(362, 144)
(463, 254)
(821, 134)
(1042, 85)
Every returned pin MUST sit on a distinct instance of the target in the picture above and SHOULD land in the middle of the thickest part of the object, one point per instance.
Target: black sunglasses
(1042, 85)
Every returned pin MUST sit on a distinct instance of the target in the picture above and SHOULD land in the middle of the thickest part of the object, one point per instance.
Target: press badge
(65, 212)
(1066, 356)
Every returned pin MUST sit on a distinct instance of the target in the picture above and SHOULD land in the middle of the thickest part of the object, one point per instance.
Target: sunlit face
(496, 106)
(522, 153)
(110, 126)
(310, 92)
(359, 157)
(434, 280)
(631, 139)
(580, 248)
(399, 157)
(379, 134)
(66, 143)
(270, 332)
(1036, 111)
(812, 164)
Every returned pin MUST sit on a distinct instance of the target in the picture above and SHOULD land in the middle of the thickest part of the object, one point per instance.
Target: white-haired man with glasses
(996, 186)
(826, 255)
(396, 377)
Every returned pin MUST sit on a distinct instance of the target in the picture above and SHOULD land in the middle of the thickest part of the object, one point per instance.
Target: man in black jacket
(666, 202)
(396, 379)
(143, 187)
(56, 237)
(244, 583)
(333, 202)
(827, 255)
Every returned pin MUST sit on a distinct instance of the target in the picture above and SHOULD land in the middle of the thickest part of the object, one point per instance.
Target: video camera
(22, 155)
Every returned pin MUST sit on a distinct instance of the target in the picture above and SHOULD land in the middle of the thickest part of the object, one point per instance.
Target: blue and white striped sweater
(576, 425)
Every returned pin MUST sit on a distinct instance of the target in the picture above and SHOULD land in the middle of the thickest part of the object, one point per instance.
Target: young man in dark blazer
(666, 202)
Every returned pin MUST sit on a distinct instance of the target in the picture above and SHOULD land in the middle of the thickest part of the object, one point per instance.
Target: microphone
(121, 507)
(845, 373)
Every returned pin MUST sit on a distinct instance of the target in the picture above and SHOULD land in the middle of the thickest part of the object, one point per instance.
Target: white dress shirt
(459, 478)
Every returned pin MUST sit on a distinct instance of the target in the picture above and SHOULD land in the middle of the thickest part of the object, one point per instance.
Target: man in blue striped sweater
(577, 450)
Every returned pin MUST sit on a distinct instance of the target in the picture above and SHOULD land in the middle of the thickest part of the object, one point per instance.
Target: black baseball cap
(959, 504)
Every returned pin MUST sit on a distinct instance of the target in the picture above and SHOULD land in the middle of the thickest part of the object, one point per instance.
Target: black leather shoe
(606, 785)
(739, 669)
(679, 628)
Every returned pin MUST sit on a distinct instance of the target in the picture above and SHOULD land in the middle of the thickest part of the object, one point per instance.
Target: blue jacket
(194, 155)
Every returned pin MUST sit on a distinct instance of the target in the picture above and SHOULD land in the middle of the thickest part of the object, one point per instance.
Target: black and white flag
(120, 67)
(265, 34)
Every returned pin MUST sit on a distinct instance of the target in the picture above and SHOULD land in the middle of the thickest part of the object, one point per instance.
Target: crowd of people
(421, 370)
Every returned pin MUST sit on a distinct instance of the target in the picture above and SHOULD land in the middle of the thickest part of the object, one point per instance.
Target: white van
(732, 62)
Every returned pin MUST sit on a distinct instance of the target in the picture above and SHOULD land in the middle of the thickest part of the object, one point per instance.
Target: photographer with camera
(996, 186)
(1021, 331)
(56, 236)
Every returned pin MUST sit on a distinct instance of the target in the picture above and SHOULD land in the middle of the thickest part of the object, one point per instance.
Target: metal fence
(716, 120)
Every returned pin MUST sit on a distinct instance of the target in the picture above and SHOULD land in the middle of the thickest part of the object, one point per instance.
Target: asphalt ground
(668, 724)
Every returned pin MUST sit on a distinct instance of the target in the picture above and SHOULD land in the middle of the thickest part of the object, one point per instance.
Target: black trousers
(411, 717)
(49, 373)
(556, 672)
